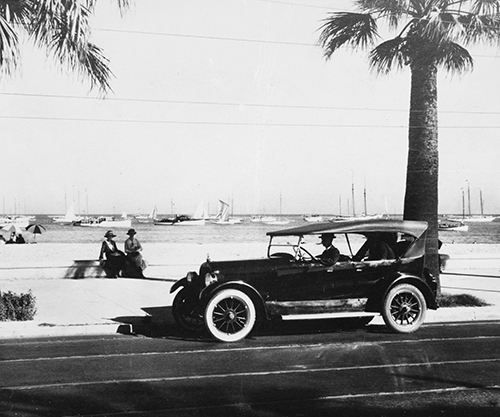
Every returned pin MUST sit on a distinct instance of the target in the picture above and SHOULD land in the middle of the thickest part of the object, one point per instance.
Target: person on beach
(111, 259)
(331, 254)
(133, 250)
(20, 238)
(12, 239)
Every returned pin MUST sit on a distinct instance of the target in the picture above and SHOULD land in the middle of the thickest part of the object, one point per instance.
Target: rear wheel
(230, 315)
(404, 308)
(187, 311)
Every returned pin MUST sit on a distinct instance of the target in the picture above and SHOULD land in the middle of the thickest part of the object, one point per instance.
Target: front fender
(183, 282)
(208, 292)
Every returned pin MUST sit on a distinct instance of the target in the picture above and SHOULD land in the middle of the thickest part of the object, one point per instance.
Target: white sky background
(233, 100)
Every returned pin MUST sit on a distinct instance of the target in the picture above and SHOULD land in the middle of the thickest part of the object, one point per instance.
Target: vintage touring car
(227, 298)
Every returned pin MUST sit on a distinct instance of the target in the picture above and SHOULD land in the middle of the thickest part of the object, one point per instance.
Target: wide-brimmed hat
(330, 235)
(131, 232)
(109, 233)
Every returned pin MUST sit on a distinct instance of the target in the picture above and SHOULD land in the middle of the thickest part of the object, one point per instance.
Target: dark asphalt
(297, 370)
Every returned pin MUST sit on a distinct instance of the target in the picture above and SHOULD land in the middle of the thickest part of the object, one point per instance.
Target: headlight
(210, 278)
(191, 275)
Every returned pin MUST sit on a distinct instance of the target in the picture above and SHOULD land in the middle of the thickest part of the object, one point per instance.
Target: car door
(313, 281)
(367, 274)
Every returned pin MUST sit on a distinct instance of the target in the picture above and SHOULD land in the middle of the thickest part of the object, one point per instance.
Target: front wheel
(404, 308)
(230, 315)
(187, 311)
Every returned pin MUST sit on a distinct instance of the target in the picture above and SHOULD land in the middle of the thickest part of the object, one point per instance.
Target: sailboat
(148, 219)
(473, 218)
(69, 218)
(277, 221)
(482, 217)
(222, 216)
(454, 224)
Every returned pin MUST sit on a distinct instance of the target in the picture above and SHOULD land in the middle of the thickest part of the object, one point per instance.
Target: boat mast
(468, 198)
(353, 209)
(364, 197)
(463, 204)
(481, 202)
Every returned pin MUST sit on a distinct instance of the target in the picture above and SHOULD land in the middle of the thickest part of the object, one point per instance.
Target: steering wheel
(284, 255)
(309, 254)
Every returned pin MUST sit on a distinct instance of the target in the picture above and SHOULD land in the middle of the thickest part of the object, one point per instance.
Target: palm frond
(392, 10)
(454, 58)
(63, 27)
(389, 54)
(355, 29)
(486, 7)
(480, 28)
(95, 65)
(9, 46)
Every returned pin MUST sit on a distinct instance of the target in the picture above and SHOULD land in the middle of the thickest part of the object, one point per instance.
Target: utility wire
(222, 38)
(233, 104)
(177, 122)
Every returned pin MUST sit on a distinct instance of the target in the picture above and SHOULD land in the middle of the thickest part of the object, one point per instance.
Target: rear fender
(257, 299)
(374, 303)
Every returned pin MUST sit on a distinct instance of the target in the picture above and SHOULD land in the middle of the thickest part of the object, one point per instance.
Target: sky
(234, 100)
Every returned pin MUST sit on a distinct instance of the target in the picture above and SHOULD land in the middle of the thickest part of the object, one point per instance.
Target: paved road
(442, 370)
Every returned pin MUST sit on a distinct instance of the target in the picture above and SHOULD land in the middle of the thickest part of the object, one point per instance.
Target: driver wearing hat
(331, 254)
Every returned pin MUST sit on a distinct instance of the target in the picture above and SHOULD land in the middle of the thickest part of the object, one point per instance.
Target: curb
(13, 330)
(33, 329)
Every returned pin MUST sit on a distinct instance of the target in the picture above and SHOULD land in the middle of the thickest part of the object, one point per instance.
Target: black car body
(228, 297)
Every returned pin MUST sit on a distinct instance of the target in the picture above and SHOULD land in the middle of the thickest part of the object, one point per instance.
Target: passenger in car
(403, 244)
(382, 246)
(331, 254)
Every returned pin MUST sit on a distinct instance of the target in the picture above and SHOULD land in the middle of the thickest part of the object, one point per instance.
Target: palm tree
(428, 33)
(62, 28)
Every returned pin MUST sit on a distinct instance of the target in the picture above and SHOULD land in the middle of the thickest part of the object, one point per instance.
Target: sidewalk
(96, 306)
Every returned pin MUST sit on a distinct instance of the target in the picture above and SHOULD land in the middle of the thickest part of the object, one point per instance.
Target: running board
(324, 316)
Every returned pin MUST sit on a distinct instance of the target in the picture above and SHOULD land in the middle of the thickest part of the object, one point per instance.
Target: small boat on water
(313, 218)
(452, 226)
(276, 221)
(197, 219)
(105, 222)
(19, 221)
(179, 220)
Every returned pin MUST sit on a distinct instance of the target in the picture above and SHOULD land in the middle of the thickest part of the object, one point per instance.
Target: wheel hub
(230, 316)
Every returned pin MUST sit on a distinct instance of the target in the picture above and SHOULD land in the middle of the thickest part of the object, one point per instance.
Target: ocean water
(246, 232)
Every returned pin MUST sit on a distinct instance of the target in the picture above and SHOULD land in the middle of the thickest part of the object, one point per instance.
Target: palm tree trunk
(421, 198)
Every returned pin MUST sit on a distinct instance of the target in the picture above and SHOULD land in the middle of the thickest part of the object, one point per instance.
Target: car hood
(239, 269)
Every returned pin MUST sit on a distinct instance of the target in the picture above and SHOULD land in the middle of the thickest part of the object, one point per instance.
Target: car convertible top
(410, 227)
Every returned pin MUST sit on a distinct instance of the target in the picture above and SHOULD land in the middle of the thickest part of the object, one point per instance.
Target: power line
(233, 104)
(217, 38)
(178, 122)
(223, 38)
(312, 6)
